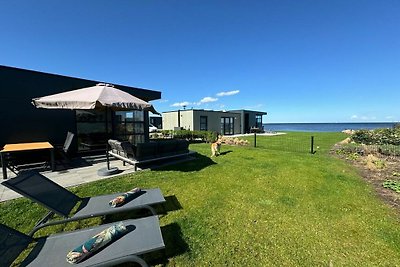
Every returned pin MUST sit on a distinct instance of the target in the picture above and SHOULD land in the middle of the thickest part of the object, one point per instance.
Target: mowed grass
(257, 206)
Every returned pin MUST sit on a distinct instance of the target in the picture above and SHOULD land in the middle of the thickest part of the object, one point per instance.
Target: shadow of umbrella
(100, 97)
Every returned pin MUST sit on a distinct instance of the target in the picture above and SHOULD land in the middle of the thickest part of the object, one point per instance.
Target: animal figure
(216, 147)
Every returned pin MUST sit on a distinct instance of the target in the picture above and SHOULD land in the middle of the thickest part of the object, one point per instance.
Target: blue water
(324, 127)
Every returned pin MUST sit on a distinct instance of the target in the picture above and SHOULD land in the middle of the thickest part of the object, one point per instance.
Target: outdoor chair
(63, 150)
(143, 236)
(61, 201)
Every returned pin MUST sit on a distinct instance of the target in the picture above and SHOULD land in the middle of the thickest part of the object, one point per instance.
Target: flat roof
(145, 94)
(221, 111)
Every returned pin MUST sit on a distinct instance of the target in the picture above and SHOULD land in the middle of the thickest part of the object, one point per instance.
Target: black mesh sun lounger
(143, 236)
(61, 201)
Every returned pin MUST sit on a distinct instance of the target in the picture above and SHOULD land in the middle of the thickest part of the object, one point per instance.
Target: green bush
(362, 137)
(393, 185)
(348, 149)
(204, 136)
(386, 136)
(389, 150)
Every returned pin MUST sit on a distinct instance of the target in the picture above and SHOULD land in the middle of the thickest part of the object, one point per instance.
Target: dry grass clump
(234, 141)
(374, 163)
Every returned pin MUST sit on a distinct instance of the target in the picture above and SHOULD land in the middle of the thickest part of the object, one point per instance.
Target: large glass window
(227, 126)
(203, 123)
(259, 121)
(129, 126)
(93, 129)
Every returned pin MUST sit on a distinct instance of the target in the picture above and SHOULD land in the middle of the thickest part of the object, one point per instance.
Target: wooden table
(10, 148)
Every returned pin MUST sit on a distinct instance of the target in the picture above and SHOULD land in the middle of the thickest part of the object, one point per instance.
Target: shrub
(384, 136)
(393, 185)
(362, 137)
(389, 150)
(348, 149)
(204, 136)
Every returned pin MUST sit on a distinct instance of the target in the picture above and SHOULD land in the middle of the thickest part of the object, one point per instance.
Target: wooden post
(312, 145)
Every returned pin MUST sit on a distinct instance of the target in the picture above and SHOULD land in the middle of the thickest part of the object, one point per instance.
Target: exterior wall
(22, 122)
(187, 119)
(170, 119)
(214, 120)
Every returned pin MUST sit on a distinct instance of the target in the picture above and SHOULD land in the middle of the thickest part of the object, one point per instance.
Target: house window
(259, 121)
(129, 126)
(227, 126)
(92, 127)
(203, 123)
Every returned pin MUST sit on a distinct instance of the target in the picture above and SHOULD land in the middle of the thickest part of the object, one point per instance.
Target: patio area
(83, 170)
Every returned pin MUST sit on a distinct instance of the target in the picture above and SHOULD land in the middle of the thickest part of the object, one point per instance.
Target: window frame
(204, 125)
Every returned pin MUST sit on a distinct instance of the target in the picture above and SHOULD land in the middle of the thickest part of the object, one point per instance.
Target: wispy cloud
(363, 118)
(254, 106)
(161, 100)
(228, 93)
(181, 104)
(208, 99)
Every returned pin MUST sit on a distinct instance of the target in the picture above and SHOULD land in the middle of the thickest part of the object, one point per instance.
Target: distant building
(250, 119)
(224, 122)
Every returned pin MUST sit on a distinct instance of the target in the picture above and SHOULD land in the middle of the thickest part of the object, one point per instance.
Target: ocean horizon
(326, 127)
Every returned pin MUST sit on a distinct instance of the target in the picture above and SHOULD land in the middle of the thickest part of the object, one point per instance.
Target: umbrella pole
(107, 156)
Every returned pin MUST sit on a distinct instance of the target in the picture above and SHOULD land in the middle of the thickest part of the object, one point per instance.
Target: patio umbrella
(100, 97)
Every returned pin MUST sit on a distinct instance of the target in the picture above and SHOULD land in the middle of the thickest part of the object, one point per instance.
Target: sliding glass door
(227, 126)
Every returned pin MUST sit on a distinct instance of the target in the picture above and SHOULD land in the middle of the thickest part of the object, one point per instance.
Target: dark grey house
(22, 122)
(250, 119)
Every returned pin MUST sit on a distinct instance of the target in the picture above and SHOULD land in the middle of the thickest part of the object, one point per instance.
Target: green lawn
(263, 206)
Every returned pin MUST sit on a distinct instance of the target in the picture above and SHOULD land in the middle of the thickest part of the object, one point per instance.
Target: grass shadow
(225, 152)
(171, 204)
(175, 245)
(200, 162)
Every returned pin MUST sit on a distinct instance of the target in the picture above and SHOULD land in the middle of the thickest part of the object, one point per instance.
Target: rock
(348, 131)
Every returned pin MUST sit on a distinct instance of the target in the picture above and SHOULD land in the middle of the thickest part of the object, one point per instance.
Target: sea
(325, 127)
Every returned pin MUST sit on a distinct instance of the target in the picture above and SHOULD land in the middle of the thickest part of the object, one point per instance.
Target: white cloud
(257, 106)
(354, 117)
(162, 100)
(363, 118)
(208, 99)
(181, 104)
(234, 92)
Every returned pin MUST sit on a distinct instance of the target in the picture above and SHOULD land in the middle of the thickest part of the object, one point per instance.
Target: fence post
(312, 145)
(255, 139)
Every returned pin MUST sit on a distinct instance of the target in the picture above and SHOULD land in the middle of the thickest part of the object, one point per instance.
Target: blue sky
(300, 61)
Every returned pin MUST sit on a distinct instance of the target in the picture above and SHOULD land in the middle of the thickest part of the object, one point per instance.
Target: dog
(216, 148)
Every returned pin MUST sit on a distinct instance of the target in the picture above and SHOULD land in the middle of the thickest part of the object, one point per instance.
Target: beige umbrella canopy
(100, 96)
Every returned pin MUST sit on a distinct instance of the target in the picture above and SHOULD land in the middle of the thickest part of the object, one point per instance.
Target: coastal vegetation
(268, 205)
